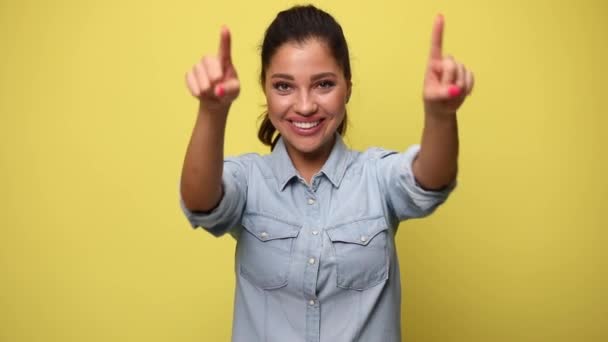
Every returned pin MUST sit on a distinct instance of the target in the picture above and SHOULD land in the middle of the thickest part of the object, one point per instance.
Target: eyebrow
(312, 78)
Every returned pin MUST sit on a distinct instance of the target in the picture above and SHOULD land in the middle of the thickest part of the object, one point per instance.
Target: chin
(307, 148)
(307, 145)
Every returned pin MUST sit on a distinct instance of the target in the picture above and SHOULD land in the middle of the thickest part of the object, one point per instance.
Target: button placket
(311, 275)
(311, 205)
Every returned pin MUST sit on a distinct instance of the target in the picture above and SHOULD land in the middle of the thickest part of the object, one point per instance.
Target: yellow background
(95, 118)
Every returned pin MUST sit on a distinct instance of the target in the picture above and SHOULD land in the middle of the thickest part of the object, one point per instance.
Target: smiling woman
(306, 92)
(294, 31)
(315, 222)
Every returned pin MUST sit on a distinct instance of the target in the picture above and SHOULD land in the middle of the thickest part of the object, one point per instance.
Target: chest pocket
(265, 249)
(361, 253)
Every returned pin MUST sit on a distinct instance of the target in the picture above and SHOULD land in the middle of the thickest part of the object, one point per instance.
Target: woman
(315, 222)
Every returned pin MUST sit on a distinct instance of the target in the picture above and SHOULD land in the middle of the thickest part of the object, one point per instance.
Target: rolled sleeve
(405, 197)
(227, 214)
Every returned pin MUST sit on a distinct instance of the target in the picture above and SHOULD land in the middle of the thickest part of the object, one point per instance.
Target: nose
(306, 104)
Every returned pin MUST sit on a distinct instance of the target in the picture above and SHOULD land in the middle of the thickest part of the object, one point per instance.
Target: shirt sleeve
(405, 197)
(228, 213)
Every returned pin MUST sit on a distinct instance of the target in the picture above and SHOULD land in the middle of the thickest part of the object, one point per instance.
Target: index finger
(437, 38)
(224, 52)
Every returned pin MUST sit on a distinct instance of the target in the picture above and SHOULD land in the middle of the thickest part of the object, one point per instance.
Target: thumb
(228, 89)
(441, 93)
(453, 91)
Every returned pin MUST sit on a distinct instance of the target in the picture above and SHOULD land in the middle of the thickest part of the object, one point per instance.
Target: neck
(309, 164)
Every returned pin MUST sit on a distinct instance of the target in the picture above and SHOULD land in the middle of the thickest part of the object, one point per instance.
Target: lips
(306, 125)
(306, 128)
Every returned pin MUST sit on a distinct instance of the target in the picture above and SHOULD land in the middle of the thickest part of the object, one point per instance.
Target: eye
(281, 86)
(326, 84)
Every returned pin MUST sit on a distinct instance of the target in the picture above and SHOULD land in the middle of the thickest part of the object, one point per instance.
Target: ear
(349, 88)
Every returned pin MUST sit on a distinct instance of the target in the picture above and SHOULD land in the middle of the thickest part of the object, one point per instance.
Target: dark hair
(299, 24)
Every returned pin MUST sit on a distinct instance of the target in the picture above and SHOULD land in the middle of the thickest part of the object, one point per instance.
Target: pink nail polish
(454, 91)
(219, 91)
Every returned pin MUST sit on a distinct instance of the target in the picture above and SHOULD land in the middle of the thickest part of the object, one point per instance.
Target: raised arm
(446, 85)
(214, 82)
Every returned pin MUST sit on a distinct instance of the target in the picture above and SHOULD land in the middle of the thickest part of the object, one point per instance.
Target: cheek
(277, 105)
(335, 105)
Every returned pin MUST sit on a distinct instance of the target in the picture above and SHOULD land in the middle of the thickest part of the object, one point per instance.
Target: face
(306, 93)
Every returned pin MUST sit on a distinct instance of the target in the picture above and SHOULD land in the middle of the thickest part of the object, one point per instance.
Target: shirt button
(363, 238)
(311, 302)
(315, 232)
(263, 235)
(311, 201)
(311, 261)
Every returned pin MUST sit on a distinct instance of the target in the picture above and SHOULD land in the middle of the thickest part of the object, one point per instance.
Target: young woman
(315, 221)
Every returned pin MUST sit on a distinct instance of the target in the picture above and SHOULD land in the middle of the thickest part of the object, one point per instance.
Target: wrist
(439, 116)
(214, 118)
(213, 110)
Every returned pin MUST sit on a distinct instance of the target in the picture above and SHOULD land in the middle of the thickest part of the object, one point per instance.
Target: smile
(306, 125)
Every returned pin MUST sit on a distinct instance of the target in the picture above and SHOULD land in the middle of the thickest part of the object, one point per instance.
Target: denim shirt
(317, 262)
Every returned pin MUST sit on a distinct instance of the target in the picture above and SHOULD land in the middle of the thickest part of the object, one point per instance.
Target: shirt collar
(334, 168)
(336, 164)
(281, 164)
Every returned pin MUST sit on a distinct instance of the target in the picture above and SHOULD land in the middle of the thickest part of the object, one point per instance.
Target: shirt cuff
(424, 199)
(213, 219)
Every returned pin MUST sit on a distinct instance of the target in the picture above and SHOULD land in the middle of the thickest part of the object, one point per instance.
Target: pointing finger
(437, 38)
(224, 52)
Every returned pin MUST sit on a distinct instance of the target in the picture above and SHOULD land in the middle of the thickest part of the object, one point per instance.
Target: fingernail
(219, 91)
(454, 91)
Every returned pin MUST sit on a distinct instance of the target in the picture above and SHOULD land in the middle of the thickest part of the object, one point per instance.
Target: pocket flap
(267, 228)
(360, 232)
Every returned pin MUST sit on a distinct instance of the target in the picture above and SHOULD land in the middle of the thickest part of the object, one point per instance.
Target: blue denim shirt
(318, 263)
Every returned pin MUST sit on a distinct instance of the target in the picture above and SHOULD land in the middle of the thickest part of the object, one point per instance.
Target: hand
(213, 80)
(447, 82)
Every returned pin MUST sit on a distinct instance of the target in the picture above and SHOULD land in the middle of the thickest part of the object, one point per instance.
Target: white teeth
(305, 125)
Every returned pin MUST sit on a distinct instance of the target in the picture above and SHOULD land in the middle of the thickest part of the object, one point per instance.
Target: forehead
(302, 58)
